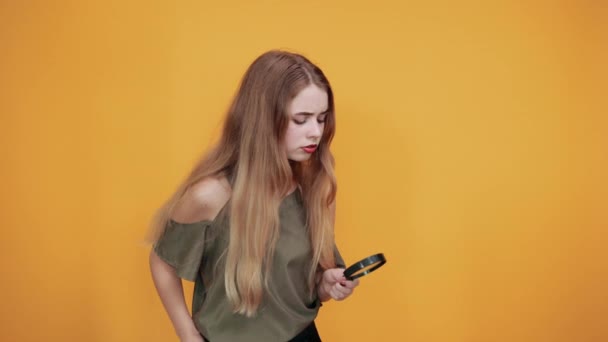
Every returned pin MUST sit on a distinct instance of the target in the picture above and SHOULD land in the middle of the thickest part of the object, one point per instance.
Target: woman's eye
(321, 119)
(298, 122)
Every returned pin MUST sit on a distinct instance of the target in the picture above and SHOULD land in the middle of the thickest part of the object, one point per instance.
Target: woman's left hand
(334, 285)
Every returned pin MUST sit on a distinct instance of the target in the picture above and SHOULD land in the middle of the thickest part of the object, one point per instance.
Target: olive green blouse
(197, 252)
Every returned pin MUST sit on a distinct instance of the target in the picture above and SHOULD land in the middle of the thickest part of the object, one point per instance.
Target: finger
(335, 275)
(336, 294)
(341, 290)
(344, 291)
(343, 280)
(350, 284)
(340, 295)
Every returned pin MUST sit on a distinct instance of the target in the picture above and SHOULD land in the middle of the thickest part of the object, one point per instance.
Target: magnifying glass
(364, 266)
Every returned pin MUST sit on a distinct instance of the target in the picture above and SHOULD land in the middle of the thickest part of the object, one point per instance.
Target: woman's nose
(316, 130)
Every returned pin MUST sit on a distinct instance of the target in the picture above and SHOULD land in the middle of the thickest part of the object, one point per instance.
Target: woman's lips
(309, 148)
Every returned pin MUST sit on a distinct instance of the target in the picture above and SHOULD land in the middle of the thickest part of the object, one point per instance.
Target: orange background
(471, 149)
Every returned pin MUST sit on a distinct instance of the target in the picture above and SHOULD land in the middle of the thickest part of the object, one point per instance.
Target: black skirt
(309, 334)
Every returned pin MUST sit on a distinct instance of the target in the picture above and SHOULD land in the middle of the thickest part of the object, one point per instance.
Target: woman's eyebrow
(311, 114)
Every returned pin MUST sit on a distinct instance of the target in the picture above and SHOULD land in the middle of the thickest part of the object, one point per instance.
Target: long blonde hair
(251, 154)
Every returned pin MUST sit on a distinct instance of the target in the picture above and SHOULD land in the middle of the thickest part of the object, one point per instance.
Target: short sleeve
(182, 246)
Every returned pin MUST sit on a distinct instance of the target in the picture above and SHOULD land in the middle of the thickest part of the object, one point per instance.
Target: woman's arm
(170, 290)
(201, 203)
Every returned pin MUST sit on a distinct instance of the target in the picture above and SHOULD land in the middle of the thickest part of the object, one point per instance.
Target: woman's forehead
(311, 99)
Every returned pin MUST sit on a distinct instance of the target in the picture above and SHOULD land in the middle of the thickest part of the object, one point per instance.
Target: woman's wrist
(187, 331)
(322, 292)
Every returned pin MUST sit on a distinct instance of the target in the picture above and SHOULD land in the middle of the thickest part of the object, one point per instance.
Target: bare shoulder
(203, 201)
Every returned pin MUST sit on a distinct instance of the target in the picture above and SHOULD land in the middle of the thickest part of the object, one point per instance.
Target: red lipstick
(309, 148)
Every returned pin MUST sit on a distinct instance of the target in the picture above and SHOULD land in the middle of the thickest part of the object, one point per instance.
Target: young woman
(252, 225)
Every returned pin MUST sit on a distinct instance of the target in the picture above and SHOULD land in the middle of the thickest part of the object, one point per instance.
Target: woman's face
(307, 112)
